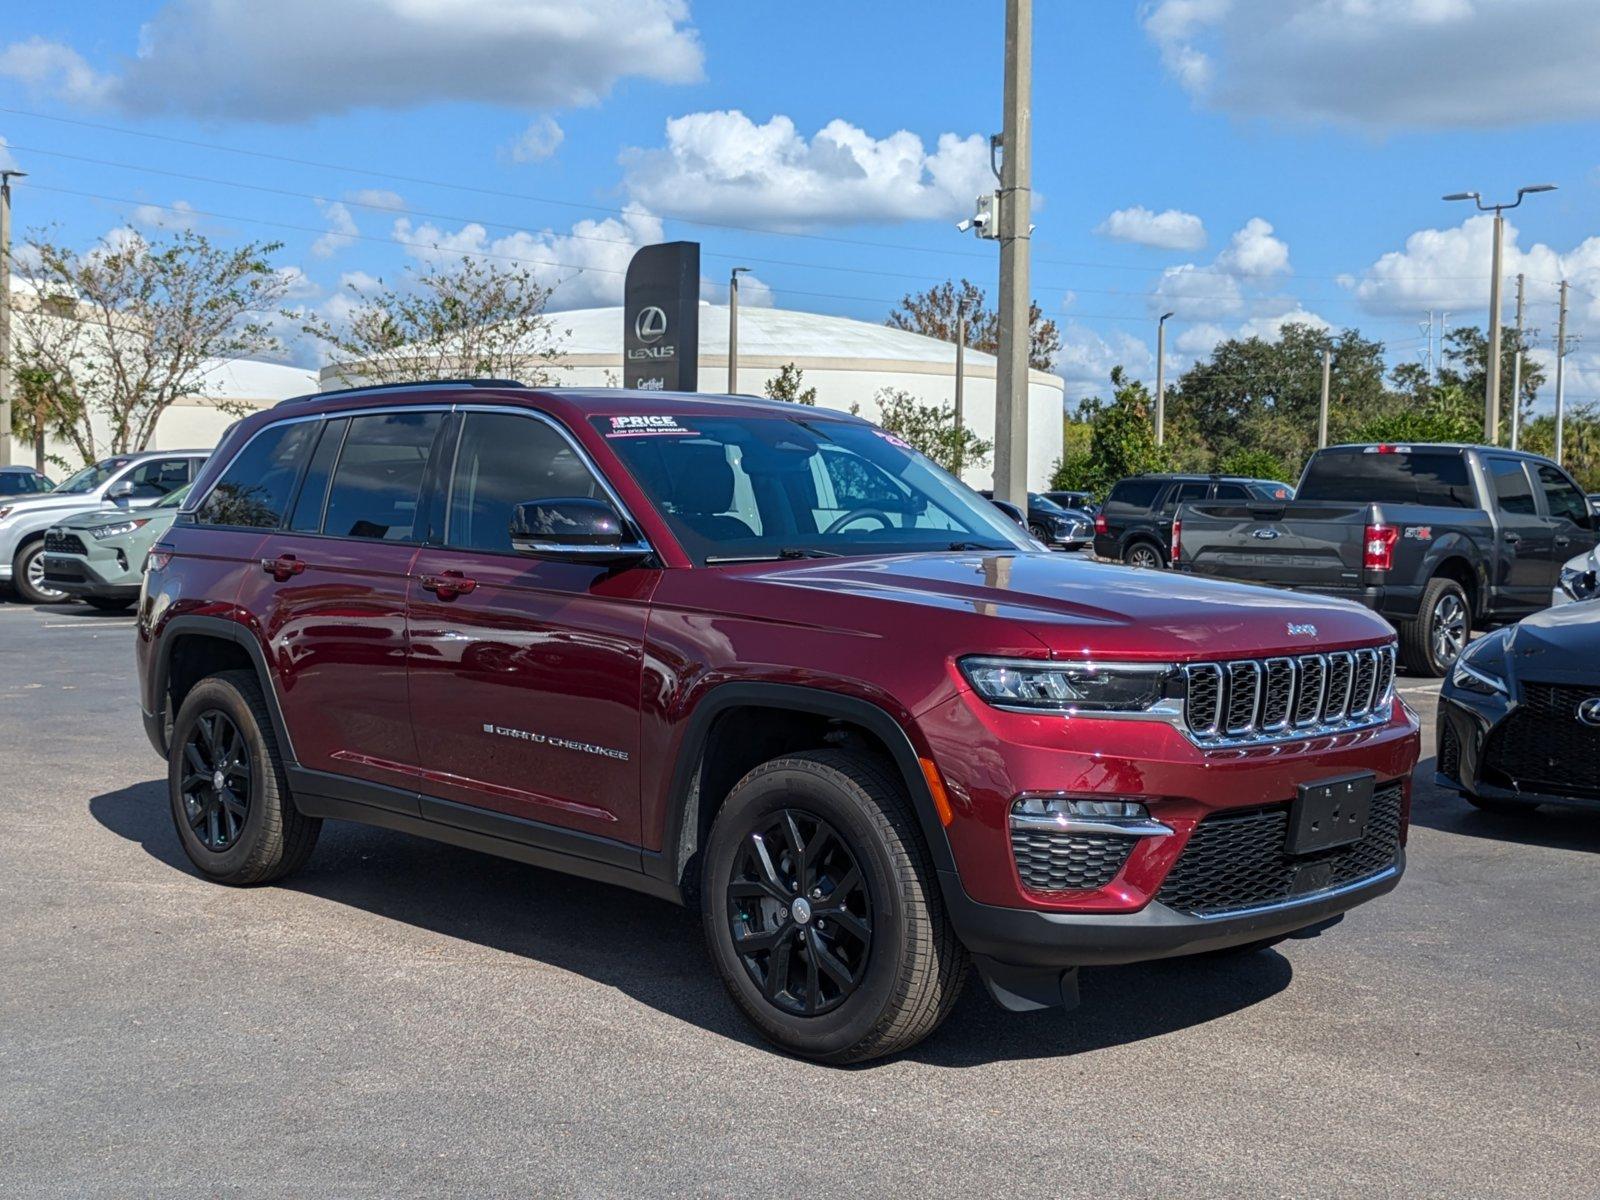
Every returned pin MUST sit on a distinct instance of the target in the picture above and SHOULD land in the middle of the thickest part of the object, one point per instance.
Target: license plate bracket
(1330, 813)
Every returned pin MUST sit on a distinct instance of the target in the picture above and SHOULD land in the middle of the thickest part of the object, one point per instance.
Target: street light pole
(1161, 379)
(1491, 391)
(7, 375)
(1561, 358)
(961, 372)
(1516, 370)
(733, 329)
(1011, 373)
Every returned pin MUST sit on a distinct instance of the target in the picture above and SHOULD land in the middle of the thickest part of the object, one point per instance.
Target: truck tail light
(1177, 540)
(1100, 524)
(1377, 547)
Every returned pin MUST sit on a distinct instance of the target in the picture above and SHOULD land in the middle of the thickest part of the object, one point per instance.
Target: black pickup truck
(1438, 539)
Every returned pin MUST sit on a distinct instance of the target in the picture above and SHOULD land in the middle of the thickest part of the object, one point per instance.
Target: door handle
(282, 567)
(1512, 537)
(1563, 540)
(449, 584)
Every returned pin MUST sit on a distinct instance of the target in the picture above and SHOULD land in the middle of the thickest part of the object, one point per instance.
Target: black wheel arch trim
(679, 834)
(221, 629)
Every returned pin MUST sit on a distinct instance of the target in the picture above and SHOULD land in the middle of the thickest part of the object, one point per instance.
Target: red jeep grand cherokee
(767, 660)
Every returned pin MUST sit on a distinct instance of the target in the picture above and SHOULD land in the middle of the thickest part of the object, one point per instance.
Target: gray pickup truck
(1438, 539)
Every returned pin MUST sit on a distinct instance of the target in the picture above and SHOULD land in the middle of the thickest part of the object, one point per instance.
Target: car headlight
(1481, 667)
(1067, 686)
(117, 530)
(1580, 585)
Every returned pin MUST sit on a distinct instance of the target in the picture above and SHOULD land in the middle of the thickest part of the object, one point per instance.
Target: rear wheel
(229, 794)
(27, 576)
(822, 910)
(1142, 554)
(1431, 644)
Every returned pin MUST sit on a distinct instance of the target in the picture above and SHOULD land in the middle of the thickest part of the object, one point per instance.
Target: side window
(502, 461)
(1512, 492)
(254, 490)
(1183, 493)
(1135, 493)
(159, 477)
(308, 506)
(1232, 491)
(1564, 501)
(378, 482)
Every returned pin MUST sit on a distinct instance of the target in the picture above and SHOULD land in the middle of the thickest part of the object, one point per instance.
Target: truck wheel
(27, 576)
(1431, 644)
(822, 909)
(1143, 554)
(230, 797)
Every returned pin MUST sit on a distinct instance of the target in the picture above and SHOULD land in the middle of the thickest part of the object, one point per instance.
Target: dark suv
(1134, 525)
(768, 661)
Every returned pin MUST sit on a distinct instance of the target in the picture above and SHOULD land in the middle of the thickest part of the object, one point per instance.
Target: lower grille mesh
(1543, 747)
(1237, 860)
(1057, 862)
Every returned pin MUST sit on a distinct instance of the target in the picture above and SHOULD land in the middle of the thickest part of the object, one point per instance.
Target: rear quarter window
(254, 490)
(1437, 478)
(1135, 493)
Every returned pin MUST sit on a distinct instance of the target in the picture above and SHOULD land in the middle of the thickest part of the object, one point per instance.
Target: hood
(51, 502)
(96, 518)
(1076, 607)
(1558, 645)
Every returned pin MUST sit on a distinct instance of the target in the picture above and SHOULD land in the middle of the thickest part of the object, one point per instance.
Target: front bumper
(91, 575)
(1466, 722)
(1057, 941)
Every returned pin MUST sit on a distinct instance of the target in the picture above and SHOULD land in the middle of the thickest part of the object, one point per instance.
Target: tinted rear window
(1137, 493)
(1419, 477)
(255, 488)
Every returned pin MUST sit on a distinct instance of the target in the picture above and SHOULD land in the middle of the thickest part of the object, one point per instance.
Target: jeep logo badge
(1302, 630)
(651, 324)
(1589, 711)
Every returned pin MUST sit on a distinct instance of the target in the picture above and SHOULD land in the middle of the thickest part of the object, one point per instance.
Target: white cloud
(1385, 63)
(754, 292)
(292, 60)
(179, 214)
(722, 166)
(1086, 360)
(1169, 230)
(1254, 253)
(376, 198)
(539, 140)
(8, 161)
(1252, 256)
(586, 266)
(342, 230)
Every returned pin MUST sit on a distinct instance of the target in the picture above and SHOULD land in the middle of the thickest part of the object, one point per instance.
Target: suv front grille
(63, 543)
(1251, 700)
(1543, 747)
(1236, 860)
(1056, 862)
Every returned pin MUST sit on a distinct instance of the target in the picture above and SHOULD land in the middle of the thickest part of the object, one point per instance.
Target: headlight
(1580, 585)
(1480, 668)
(117, 530)
(1067, 687)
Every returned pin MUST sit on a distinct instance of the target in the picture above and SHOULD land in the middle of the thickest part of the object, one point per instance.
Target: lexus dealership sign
(661, 318)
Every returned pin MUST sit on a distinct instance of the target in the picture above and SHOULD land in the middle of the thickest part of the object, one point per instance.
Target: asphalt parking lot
(409, 1019)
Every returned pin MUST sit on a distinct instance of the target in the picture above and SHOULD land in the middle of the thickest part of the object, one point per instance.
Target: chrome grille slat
(1243, 702)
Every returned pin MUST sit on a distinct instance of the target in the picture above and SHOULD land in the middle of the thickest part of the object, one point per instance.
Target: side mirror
(572, 529)
(121, 490)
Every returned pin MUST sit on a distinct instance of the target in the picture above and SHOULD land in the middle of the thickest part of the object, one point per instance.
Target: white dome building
(846, 360)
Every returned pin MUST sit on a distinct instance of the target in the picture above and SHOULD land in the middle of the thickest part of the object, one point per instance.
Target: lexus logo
(650, 325)
(1589, 711)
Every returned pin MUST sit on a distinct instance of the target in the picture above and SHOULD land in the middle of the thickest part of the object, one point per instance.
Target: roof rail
(377, 388)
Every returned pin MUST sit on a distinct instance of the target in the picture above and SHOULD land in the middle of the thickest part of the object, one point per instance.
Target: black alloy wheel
(800, 913)
(216, 782)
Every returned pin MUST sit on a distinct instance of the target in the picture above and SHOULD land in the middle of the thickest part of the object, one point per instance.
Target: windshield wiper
(788, 552)
(976, 546)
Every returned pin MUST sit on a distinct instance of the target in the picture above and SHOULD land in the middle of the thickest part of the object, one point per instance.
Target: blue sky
(1266, 159)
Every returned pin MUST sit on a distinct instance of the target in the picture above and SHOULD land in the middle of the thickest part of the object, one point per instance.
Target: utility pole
(1322, 412)
(1161, 379)
(1491, 391)
(7, 376)
(961, 371)
(733, 330)
(1016, 171)
(1516, 370)
(1561, 358)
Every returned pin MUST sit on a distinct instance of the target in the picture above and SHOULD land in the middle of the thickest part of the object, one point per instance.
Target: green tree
(931, 429)
(785, 385)
(933, 312)
(1465, 364)
(1123, 441)
(1445, 414)
(1254, 464)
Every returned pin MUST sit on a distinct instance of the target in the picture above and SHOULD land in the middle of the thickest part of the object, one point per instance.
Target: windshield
(1045, 504)
(90, 478)
(173, 499)
(757, 487)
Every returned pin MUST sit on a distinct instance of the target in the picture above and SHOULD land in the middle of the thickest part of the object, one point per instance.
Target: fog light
(1073, 814)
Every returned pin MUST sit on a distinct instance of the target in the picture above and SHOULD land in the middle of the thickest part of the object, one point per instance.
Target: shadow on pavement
(652, 950)
(1550, 825)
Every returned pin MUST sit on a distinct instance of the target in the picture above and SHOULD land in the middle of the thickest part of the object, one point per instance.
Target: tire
(1143, 554)
(847, 811)
(1039, 533)
(27, 576)
(1500, 808)
(270, 837)
(106, 603)
(1430, 645)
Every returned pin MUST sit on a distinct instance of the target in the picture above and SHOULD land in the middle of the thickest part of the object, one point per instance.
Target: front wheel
(822, 910)
(1430, 645)
(1142, 554)
(27, 576)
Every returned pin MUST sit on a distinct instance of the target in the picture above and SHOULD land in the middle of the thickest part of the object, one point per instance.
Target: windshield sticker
(893, 440)
(647, 426)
